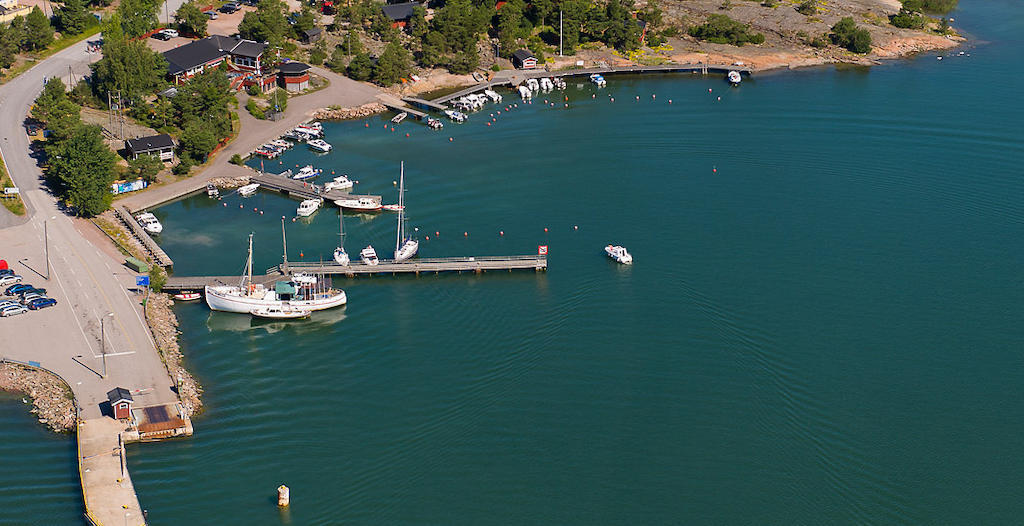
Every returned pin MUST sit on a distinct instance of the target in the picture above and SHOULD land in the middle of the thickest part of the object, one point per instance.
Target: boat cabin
(120, 403)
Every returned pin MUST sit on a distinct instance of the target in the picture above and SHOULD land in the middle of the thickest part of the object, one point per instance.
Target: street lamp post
(103, 342)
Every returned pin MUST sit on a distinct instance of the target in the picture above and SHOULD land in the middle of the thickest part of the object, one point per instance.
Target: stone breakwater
(230, 182)
(358, 112)
(164, 326)
(52, 400)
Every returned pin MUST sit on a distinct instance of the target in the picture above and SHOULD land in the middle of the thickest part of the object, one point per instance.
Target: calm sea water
(822, 324)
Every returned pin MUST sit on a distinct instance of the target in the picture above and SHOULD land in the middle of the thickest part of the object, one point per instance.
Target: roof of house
(209, 49)
(149, 144)
(313, 31)
(117, 394)
(293, 67)
(523, 54)
(399, 12)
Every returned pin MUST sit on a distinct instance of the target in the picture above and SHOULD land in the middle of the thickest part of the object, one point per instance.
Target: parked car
(31, 290)
(253, 3)
(8, 303)
(211, 14)
(6, 272)
(229, 8)
(30, 297)
(12, 310)
(172, 33)
(160, 35)
(41, 303)
(10, 279)
(14, 290)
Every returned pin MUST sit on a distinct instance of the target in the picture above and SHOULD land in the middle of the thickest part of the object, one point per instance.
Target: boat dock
(417, 265)
(301, 190)
(399, 108)
(424, 104)
(198, 283)
(159, 256)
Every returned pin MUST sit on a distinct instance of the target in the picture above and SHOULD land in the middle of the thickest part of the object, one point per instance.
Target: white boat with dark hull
(307, 172)
(248, 189)
(619, 254)
(319, 145)
(734, 77)
(340, 256)
(212, 190)
(363, 204)
(302, 292)
(341, 182)
(405, 246)
(369, 256)
(149, 223)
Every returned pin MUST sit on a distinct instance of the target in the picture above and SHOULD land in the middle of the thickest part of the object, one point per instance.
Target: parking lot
(19, 297)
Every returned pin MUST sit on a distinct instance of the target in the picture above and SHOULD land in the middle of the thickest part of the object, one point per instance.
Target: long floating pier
(425, 104)
(418, 265)
(159, 256)
(417, 114)
(302, 190)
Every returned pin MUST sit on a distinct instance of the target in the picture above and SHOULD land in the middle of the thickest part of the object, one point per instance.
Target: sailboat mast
(401, 207)
(341, 226)
(248, 262)
(284, 245)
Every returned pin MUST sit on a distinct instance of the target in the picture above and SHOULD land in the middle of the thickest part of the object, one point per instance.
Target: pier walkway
(418, 265)
(198, 283)
(110, 498)
(159, 256)
(425, 104)
(295, 188)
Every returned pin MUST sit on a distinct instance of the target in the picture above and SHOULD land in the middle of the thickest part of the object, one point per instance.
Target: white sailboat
(405, 247)
(340, 256)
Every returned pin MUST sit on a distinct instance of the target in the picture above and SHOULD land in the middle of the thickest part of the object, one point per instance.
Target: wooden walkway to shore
(298, 189)
(424, 104)
(198, 283)
(399, 108)
(159, 256)
(417, 265)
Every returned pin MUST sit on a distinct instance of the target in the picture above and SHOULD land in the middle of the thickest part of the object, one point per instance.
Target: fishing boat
(307, 172)
(149, 223)
(340, 256)
(364, 204)
(308, 207)
(619, 254)
(301, 292)
(212, 190)
(319, 145)
(405, 246)
(456, 116)
(341, 182)
(734, 77)
(284, 312)
(369, 256)
(596, 78)
(248, 189)
(186, 296)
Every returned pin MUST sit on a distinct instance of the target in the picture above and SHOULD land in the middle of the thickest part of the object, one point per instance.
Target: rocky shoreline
(164, 326)
(52, 399)
(230, 182)
(338, 114)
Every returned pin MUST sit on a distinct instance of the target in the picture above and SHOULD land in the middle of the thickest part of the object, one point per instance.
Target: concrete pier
(110, 498)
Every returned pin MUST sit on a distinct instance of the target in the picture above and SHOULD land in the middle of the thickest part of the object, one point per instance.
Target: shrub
(317, 56)
(720, 29)
(252, 90)
(183, 166)
(254, 109)
(236, 159)
(157, 278)
(807, 8)
(908, 20)
(495, 67)
(845, 33)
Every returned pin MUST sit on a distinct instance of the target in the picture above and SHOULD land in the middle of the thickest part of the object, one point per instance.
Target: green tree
(138, 17)
(10, 39)
(145, 167)
(267, 23)
(360, 68)
(204, 101)
(720, 29)
(510, 26)
(393, 65)
(807, 7)
(418, 26)
(53, 107)
(541, 11)
(908, 20)
(351, 44)
(845, 33)
(337, 61)
(81, 169)
(128, 67)
(38, 31)
(191, 20)
(304, 20)
(73, 17)
(197, 141)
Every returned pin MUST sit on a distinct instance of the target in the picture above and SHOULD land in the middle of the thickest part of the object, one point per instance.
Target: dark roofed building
(160, 146)
(293, 76)
(195, 57)
(523, 59)
(120, 402)
(312, 35)
(399, 13)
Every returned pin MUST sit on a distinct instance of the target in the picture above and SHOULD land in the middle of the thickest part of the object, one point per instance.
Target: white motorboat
(546, 84)
(525, 92)
(299, 135)
(618, 253)
(397, 119)
(281, 143)
(320, 145)
(456, 116)
(302, 292)
(283, 312)
(308, 207)
(369, 255)
(363, 204)
(340, 256)
(187, 296)
(405, 246)
(149, 223)
(493, 95)
(559, 82)
(341, 182)
(734, 77)
(212, 190)
(434, 124)
(248, 189)
(393, 208)
(532, 84)
(307, 172)
(311, 128)
(599, 80)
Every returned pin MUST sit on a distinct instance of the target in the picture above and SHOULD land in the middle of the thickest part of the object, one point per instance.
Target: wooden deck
(159, 256)
(300, 190)
(418, 265)
(198, 283)
(399, 108)
(424, 104)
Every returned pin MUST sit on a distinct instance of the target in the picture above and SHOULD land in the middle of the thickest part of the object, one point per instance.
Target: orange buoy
(501, 232)
(367, 125)
(239, 206)
(450, 139)
(714, 170)
(332, 172)
(300, 255)
(436, 234)
(255, 210)
(545, 229)
(566, 98)
(465, 234)
(428, 238)
(488, 124)
(407, 135)
(709, 90)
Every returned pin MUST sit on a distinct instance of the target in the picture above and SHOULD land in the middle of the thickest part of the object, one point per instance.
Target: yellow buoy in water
(283, 496)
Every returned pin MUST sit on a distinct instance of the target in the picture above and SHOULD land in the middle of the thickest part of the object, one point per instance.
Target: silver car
(27, 298)
(12, 310)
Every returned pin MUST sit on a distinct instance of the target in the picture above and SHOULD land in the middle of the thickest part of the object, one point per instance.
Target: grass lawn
(14, 204)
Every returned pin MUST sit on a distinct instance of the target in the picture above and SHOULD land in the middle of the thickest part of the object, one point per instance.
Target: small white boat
(340, 182)
(369, 255)
(299, 135)
(493, 95)
(340, 256)
(320, 145)
(525, 92)
(149, 223)
(599, 80)
(559, 82)
(308, 207)
(397, 119)
(311, 128)
(307, 172)
(364, 204)
(281, 143)
(393, 208)
(212, 191)
(282, 312)
(456, 116)
(248, 189)
(546, 84)
(734, 77)
(533, 84)
(405, 246)
(187, 296)
(619, 254)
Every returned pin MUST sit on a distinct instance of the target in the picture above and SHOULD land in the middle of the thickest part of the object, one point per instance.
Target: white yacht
(341, 182)
(248, 189)
(280, 312)
(311, 128)
(363, 204)
(493, 95)
(734, 77)
(308, 207)
(149, 223)
(599, 80)
(307, 172)
(456, 116)
(302, 292)
(405, 247)
(340, 256)
(369, 255)
(618, 253)
(320, 145)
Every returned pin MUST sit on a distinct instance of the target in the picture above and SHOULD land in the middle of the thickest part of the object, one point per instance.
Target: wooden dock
(301, 190)
(418, 265)
(159, 256)
(424, 104)
(198, 283)
(399, 108)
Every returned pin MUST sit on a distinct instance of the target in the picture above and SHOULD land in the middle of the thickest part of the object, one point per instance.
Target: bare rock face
(164, 326)
(358, 112)
(229, 182)
(52, 400)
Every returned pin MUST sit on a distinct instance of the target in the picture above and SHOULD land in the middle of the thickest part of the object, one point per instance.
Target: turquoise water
(822, 324)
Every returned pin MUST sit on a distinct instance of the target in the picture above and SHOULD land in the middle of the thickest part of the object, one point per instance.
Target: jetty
(298, 189)
(159, 256)
(424, 104)
(399, 108)
(416, 266)
(198, 283)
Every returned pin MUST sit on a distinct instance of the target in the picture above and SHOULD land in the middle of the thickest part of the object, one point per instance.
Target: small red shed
(120, 402)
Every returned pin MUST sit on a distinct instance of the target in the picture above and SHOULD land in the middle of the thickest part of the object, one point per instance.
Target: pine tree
(38, 31)
(82, 169)
(393, 65)
(72, 17)
(190, 20)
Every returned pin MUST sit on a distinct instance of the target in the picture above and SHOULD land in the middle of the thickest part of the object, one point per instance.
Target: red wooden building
(120, 402)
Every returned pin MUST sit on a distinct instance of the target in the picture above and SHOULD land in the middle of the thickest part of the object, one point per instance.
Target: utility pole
(103, 342)
(559, 32)
(46, 249)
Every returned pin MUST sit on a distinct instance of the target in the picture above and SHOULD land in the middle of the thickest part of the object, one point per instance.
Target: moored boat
(364, 204)
(340, 256)
(734, 77)
(405, 246)
(249, 189)
(596, 78)
(307, 172)
(283, 312)
(369, 256)
(308, 207)
(456, 116)
(212, 190)
(619, 254)
(187, 296)
(342, 182)
(319, 145)
(149, 223)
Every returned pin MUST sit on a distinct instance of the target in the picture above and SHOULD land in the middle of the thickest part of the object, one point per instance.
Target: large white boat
(340, 256)
(364, 204)
(302, 292)
(369, 255)
(734, 77)
(525, 92)
(618, 253)
(248, 189)
(308, 207)
(149, 223)
(307, 172)
(341, 182)
(320, 145)
(456, 116)
(405, 246)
